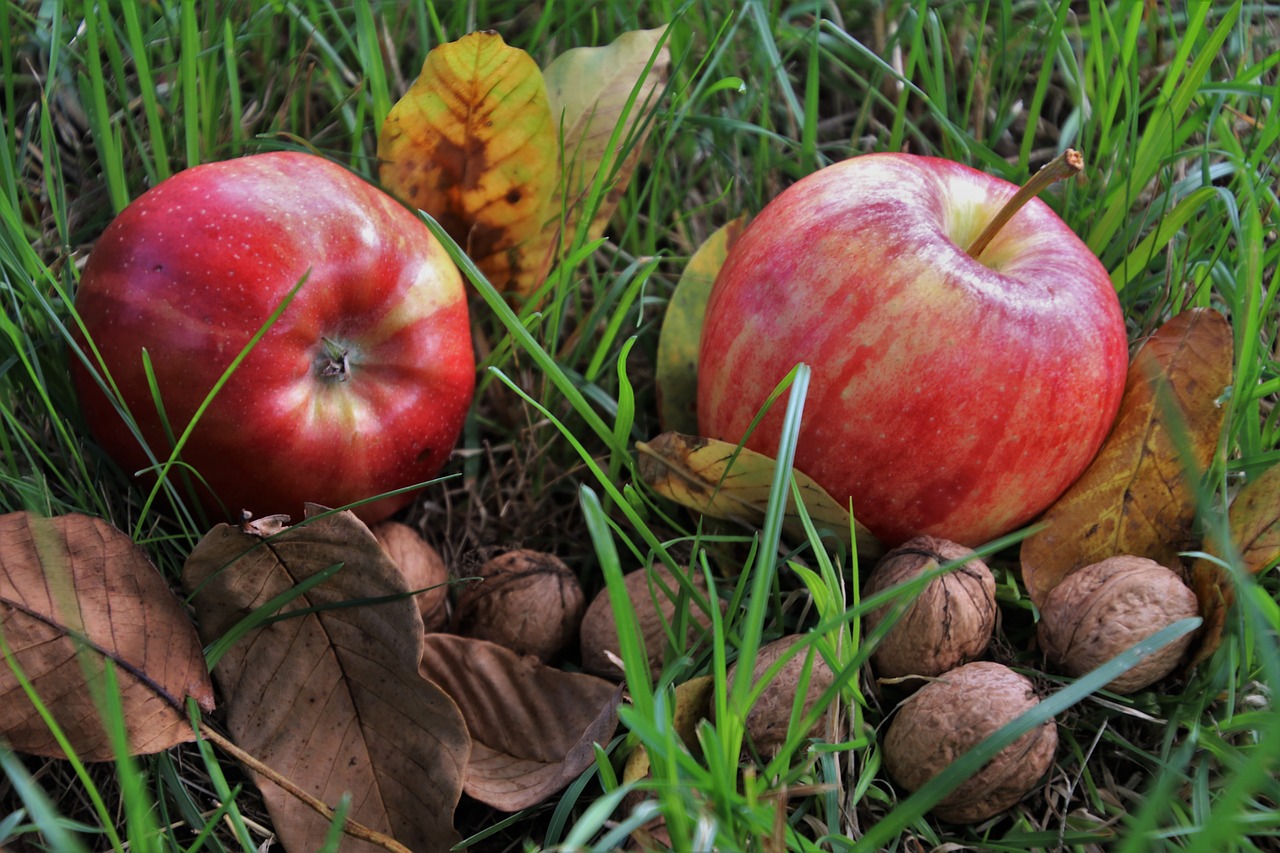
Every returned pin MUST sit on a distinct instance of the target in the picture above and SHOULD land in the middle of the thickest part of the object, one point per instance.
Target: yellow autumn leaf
(1254, 520)
(589, 89)
(693, 705)
(721, 480)
(472, 143)
(1135, 498)
(677, 364)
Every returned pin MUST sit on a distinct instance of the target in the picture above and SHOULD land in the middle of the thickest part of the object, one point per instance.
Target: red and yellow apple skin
(949, 396)
(360, 386)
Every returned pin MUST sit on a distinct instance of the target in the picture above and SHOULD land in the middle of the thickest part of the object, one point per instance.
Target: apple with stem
(364, 370)
(968, 350)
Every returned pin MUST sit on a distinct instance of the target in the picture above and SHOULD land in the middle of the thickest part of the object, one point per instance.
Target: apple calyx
(334, 361)
(1066, 164)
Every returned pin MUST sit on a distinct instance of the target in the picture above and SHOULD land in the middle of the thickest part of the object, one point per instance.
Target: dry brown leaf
(1255, 526)
(1135, 498)
(533, 726)
(472, 143)
(74, 582)
(718, 479)
(332, 699)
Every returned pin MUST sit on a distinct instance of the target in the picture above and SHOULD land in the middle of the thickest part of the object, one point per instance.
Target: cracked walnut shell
(948, 717)
(1099, 611)
(948, 624)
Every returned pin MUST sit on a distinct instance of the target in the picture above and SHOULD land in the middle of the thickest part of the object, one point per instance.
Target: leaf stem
(351, 827)
(1066, 164)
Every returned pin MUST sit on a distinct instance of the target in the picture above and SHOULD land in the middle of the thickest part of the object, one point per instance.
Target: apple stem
(333, 363)
(1066, 164)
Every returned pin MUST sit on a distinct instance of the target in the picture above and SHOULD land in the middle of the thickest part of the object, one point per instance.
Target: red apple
(359, 387)
(950, 397)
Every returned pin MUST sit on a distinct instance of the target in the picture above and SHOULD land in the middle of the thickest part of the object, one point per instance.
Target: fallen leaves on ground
(472, 143)
(534, 727)
(506, 157)
(1136, 498)
(721, 480)
(328, 694)
(75, 593)
(677, 363)
(694, 700)
(1254, 519)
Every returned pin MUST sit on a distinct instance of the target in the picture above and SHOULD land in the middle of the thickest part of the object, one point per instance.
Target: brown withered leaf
(473, 144)
(1254, 519)
(331, 699)
(74, 583)
(718, 479)
(533, 726)
(677, 364)
(1135, 497)
(588, 89)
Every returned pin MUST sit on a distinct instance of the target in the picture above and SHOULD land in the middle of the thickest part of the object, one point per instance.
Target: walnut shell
(948, 624)
(655, 595)
(1098, 611)
(948, 717)
(422, 568)
(768, 719)
(528, 601)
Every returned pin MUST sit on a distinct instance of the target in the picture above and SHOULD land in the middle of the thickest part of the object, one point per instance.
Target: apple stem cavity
(333, 363)
(1065, 165)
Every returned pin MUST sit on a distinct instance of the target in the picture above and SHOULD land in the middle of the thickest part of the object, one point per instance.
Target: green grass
(1171, 104)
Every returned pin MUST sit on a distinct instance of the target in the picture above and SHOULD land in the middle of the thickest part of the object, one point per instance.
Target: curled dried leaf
(724, 481)
(535, 727)
(1255, 522)
(589, 90)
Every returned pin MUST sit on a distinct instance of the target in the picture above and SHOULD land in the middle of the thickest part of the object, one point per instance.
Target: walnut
(528, 601)
(655, 595)
(422, 568)
(1098, 611)
(768, 719)
(948, 624)
(949, 716)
